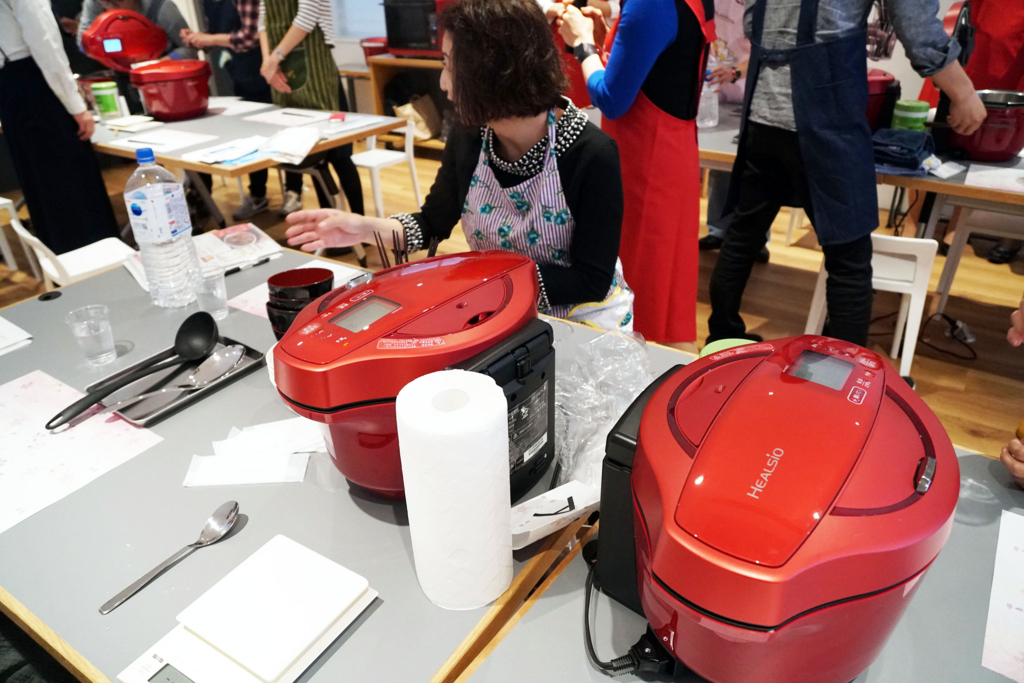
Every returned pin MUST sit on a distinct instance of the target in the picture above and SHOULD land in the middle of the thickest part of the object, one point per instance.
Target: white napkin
(254, 468)
(292, 145)
(12, 337)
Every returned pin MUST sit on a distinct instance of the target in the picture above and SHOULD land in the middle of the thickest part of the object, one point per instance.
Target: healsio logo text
(770, 466)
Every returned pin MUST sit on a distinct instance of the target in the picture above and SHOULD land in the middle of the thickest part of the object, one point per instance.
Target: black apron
(830, 96)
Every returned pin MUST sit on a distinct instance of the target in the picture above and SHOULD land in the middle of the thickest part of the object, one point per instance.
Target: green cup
(107, 104)
(910, 115)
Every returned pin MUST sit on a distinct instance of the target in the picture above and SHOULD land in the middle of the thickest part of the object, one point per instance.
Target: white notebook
(270, 610)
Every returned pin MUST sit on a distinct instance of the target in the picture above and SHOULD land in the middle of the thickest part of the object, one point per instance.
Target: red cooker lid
(120, 38)
(878, 81)
(170, 70)
(761, 511)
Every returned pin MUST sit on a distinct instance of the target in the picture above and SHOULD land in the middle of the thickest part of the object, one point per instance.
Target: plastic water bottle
(163, 231)
(707, 110)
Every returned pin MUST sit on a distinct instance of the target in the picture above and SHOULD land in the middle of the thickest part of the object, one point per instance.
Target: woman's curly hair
(503, 61)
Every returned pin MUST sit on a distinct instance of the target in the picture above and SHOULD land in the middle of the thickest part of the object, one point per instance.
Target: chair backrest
(43, 253)
(902, 259)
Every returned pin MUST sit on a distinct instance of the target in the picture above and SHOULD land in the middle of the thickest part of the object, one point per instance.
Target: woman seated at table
(528, 173)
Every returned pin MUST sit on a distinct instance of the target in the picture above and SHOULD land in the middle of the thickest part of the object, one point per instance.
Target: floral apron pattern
(533, 219)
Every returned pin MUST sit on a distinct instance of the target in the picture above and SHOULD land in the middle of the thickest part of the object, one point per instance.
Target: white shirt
(311, 13)
(29, 29)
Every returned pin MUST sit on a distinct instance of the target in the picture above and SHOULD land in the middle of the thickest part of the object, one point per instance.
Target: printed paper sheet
(1004, 632)
(37, 467)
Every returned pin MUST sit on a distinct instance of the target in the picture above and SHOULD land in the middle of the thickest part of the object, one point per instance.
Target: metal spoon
(196, 339)
(210, 370)
(216, 528)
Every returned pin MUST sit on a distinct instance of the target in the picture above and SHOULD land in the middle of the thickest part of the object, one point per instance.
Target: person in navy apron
(528, 173)
(805, 141)
(232, 25)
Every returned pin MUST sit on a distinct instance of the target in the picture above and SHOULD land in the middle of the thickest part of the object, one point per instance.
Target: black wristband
(584, 50)
(736, 75)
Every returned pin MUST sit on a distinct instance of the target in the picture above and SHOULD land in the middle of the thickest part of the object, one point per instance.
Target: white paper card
(246, 468)
(37, 467)
(12, 337)
(232, 107)
(1004, 631)
(164, 140)
(995, 178)
(273, 606)
(947, 170)
(551, 511)
(290, 117)
(284, 437)
(254, 301)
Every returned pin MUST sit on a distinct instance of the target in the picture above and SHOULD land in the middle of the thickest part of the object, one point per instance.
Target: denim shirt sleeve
(919, 28)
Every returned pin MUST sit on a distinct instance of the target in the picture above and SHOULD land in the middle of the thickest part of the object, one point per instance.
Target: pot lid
(170, 70)
(1001, 99)
(120, 38)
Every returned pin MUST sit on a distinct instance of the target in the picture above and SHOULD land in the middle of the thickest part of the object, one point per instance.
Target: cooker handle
(924, 475)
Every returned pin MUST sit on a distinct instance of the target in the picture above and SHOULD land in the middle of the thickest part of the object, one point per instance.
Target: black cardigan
(592, 183)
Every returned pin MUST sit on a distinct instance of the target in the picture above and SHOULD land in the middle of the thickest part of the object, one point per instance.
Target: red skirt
(661, 219)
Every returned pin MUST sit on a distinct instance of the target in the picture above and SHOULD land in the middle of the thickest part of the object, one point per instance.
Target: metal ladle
(216, 528)
(210, 370)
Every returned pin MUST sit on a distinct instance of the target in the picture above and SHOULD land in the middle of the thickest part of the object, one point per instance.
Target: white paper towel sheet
(453, 439)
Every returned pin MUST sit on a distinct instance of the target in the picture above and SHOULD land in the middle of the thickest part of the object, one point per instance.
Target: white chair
(796, 220)
(899, 264)
(74, 266)
(375, 159)
(964, 224)
(5, 247)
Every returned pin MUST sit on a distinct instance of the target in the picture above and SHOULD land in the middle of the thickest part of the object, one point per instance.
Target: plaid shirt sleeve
(247, 37)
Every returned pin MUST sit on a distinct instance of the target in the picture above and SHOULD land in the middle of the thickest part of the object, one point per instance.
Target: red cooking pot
(174, 89)
(1001, 136)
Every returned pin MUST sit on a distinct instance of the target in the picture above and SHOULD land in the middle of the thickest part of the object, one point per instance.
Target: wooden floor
(979, 401)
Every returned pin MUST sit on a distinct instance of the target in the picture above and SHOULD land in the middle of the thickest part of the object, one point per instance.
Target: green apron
(309, 68)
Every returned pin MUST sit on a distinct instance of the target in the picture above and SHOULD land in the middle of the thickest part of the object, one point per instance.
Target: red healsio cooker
(350, 352)
(772, 508)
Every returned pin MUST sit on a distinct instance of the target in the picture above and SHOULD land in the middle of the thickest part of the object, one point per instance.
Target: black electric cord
(646, 656)
(900, 218)
(616, 667)
(951, 322)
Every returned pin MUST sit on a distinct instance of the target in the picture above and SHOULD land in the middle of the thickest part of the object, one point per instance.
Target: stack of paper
(164, 140)
(995, 178)
(276, 452)
(37, 467)
(237, 246)
(133, 124)
(233, 106)
(12, 337)
(1003, 651)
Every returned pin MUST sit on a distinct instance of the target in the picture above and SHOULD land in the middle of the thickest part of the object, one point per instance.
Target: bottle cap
(144, 155)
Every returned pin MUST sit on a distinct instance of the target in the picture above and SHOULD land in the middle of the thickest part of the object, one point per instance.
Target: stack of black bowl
(293, 290)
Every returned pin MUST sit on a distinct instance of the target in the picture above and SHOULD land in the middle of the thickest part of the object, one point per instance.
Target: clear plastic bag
(608, 373)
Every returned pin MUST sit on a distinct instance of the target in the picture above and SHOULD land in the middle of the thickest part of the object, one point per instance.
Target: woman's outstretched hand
(323, 228)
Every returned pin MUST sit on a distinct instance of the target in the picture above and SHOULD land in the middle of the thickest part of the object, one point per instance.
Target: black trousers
(341, 159)
(775, 170)
(58, 173)
(257, 90)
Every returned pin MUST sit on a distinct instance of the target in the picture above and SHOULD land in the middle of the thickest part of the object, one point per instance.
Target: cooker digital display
(821, 369)
(364, 314)
(112, 45)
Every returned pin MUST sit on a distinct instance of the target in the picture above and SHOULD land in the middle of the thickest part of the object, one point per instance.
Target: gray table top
(939, 638)
(75, 554)
(226, 128)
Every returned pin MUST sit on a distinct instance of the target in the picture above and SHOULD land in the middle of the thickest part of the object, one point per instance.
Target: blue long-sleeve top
(657, 50)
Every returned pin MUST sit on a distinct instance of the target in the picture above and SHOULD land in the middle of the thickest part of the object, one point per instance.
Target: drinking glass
(91, 327)
(212, 293)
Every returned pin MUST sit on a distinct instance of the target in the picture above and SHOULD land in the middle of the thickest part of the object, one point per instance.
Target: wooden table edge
(238, 171)
(80, 667)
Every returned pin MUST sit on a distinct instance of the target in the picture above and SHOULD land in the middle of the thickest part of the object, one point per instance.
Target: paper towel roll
(453, 440)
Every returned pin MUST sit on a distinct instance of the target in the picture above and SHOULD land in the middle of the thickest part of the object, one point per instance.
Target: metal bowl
(1001, 99)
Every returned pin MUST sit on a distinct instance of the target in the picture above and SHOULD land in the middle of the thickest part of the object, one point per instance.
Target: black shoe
(1001, 255)
(710, 243)
(763, 255)
(910, 380)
